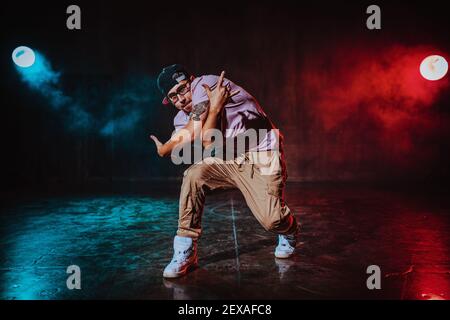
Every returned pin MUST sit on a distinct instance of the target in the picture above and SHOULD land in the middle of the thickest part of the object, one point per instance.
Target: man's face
(180, 96)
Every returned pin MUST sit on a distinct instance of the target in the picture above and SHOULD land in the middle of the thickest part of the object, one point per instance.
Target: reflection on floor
(122, 243)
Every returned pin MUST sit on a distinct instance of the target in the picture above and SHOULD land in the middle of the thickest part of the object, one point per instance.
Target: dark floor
(123, 242)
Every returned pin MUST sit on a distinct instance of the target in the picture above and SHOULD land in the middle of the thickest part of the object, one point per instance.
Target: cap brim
(165, 101)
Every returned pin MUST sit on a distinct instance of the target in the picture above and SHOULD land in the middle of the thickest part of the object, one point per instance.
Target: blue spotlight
(36, 71)
(23, 56)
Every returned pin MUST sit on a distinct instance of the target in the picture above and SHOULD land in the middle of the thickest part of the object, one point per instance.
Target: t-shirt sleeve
(179, 121)
(199, 93)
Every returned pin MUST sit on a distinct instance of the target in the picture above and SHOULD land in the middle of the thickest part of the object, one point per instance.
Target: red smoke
(375, 97)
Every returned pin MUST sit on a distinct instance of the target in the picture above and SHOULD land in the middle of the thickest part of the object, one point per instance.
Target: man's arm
(188, 133)
(217, 100)
(210, 123)
(204, 116)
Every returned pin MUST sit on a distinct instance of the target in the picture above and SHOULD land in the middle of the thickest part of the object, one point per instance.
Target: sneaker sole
(181, 273)
(283, 255)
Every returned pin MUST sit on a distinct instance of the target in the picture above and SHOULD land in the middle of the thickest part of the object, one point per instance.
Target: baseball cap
(169, 77)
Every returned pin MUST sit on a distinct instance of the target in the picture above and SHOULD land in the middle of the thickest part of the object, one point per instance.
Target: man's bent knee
(281, 225)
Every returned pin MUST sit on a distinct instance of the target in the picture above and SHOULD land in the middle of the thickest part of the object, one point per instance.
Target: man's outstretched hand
(158, 143)
(220, 95)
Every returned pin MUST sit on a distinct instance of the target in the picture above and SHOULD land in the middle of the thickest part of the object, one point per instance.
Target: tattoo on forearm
(198, 110)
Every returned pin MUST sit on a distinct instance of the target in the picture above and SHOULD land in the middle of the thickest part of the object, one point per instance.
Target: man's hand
(158, 143)
(219, 96)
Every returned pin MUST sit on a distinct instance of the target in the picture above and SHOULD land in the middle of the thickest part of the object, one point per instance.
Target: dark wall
(349, 101)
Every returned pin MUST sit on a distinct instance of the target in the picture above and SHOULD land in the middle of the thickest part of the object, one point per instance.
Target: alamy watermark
(241, 146)
(74, 280)
(73, 21)
(374, 20)
(374, 280)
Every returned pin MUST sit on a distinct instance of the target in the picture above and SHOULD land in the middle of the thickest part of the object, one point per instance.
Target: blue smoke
(119, 125)
(126, 107)
(78, 118)
(122, 112)
(42, 78)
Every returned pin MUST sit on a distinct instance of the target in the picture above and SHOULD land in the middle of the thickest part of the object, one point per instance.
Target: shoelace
(181, 254)
(283, 241)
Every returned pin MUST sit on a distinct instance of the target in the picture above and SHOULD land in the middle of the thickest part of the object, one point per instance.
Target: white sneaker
(184, 257)
(286, 246)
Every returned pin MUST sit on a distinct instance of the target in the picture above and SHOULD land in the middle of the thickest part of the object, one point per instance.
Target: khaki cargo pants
(260, 176)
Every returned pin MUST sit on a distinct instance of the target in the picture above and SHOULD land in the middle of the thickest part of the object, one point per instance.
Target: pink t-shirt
(242, 113)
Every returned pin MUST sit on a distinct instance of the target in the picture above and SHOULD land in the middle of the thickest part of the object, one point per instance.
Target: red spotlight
(433, 67)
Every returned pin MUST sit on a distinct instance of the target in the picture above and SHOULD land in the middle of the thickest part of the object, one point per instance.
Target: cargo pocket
(272, 174)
